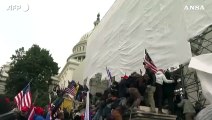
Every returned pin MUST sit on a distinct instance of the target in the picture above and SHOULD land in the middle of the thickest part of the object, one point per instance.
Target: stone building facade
(97, 84)
(3, 76)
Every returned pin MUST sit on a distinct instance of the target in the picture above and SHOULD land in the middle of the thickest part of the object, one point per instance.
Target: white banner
(203, 66)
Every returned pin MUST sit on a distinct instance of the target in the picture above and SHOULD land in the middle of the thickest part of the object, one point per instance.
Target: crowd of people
(153, 89)
(137, 90)
(23, 114)
(150, 89)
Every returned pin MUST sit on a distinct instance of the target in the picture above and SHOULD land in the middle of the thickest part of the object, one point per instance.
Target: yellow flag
(67, 104)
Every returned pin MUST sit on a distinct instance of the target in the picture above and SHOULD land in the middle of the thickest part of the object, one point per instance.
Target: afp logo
(18, 7)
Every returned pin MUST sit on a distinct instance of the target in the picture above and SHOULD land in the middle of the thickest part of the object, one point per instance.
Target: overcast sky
(56, 25)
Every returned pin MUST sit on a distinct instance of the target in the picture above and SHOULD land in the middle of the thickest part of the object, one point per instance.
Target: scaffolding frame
(200, 44)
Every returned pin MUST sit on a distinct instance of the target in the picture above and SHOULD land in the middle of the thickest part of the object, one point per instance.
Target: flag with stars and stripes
(23, 98)
(71, 89)
(148, 61)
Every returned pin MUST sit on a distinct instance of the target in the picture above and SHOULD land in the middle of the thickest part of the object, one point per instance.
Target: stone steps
(147, 109)
(144, 114)
(151, 116)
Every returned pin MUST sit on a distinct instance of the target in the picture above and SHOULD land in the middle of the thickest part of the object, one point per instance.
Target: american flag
(148, 61)
(24, 98)
(71, 89)
(109, 75)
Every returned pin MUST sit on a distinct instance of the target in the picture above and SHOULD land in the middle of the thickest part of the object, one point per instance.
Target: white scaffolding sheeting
(163, 27)
(203, 65)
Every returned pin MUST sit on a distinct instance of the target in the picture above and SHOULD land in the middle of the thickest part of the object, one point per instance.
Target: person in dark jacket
(115, 89)
(168, 92)
(141, 83)
(136, 96)
(150, 88)
(188, 108)
(23, 113)
(123, 87)
(6, 112)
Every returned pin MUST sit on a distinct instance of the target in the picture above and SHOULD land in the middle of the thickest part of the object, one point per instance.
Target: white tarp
(203, 66)
(163, 27)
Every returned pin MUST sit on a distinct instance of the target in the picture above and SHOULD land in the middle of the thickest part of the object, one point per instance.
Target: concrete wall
(67, 73)
(78, 73)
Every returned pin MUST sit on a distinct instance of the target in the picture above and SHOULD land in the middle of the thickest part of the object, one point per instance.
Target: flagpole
(30, 81)
(87, 111)
(32, 105)
(27, 78)
(36, 96)
(30, 114)
(49, 107)
(140, 71)
(64, 84)
(110, 77)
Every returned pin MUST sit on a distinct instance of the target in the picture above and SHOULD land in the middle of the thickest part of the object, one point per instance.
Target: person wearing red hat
(23, 113)
(24, 109)
(123, 87)
(124, 77)
(39, 113)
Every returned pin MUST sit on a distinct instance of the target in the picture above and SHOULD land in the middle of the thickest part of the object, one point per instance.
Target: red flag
(24, 98)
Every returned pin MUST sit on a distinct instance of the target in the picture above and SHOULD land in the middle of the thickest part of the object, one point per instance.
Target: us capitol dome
(74, 65)
(79, 50)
